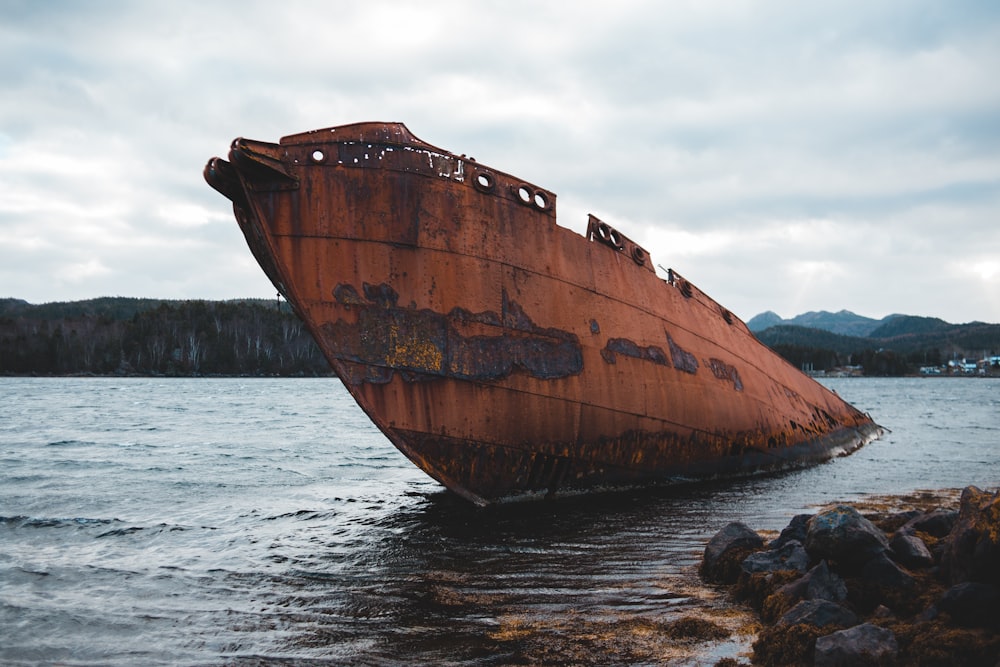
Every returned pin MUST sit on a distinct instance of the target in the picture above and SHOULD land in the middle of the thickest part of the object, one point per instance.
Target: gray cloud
(782, 155)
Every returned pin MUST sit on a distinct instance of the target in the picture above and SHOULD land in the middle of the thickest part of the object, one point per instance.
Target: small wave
(70, 443)
(304, 515)
(130, 530)
(44, 522)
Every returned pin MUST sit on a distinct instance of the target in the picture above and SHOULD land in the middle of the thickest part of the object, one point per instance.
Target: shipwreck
(508, 357)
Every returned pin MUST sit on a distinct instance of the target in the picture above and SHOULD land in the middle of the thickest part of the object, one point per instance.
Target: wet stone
(817, 584)
(859, 646)
(796, 530)
(911, 551)
(936, 523)
(972, 604)
(843, 535)
(882, 571)
(726, 550)
(819, 613)
(972, 549)
(791, 556)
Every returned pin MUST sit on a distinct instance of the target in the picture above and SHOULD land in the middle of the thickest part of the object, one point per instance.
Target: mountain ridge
(847, 323)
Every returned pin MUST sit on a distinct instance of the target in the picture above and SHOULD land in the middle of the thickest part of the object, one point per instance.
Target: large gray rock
(882, 571)
(972, 548)
(843, 535)
(790, 556)
(795, 530)
(910, 550)
(860, 646)
(972, 604)
(817, 584)
(719, 562)
(819, 613)
(937, 523)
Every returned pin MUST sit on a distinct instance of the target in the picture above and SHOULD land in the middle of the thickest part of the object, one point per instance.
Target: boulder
(795, 530)
(882, 571)
(790, 556)
(896, 520)
(819, 613)
(936, 523)
(972, 604)
(726, 550)
(859, 646)
(972, 549)
(817, 584)
(843, 535)
(910, 550)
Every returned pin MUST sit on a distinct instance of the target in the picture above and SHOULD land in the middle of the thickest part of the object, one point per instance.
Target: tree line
(147, 337)
(904, 352)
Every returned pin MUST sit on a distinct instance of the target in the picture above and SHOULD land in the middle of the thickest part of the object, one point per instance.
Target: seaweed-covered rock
(910, 550)
(937, 523)
(881, 571)
(972, 548)
(817, 584)
(726, 551)
(790, 556)
(820, 613)
(972, 604)
(861, 645)
(843, 535)
(795, 530)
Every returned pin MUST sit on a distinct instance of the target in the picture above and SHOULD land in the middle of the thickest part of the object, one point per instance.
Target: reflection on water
(225, 521)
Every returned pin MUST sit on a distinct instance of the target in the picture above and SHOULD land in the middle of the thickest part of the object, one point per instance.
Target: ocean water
(266, 521)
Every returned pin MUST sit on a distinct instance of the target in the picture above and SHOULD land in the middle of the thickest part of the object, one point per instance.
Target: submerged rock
(859, 646)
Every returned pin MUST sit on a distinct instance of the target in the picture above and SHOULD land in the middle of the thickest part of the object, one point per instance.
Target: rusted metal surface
(506, 356)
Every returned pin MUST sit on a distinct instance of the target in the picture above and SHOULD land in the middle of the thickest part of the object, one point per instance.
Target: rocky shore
(871, 584)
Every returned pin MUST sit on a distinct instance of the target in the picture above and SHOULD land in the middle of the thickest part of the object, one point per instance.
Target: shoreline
(911, 603)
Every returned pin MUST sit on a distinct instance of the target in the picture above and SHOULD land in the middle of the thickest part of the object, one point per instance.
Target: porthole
(638, 255)
(484, 181)
(317, 156)
(529, 196)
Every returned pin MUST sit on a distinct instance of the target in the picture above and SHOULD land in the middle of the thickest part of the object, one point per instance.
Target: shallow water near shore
(257, 521)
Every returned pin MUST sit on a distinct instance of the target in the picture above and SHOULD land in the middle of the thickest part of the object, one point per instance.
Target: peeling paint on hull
(505, 356)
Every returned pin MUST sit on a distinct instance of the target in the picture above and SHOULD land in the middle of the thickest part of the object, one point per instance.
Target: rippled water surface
(232, 521)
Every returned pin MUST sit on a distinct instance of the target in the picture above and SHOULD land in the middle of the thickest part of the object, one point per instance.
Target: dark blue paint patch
(423, 344)
(724, 371)
(629, 348)
(682, 359)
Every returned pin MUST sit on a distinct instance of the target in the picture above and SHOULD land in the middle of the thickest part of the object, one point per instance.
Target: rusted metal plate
(506, 356)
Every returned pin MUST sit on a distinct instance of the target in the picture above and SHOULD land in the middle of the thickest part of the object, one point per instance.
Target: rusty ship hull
(504, 355)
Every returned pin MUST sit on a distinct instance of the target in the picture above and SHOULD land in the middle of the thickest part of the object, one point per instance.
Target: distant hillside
(844, 322)
(897, 344)
(907, 325)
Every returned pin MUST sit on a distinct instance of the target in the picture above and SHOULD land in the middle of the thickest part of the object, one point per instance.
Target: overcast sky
(782, 155)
